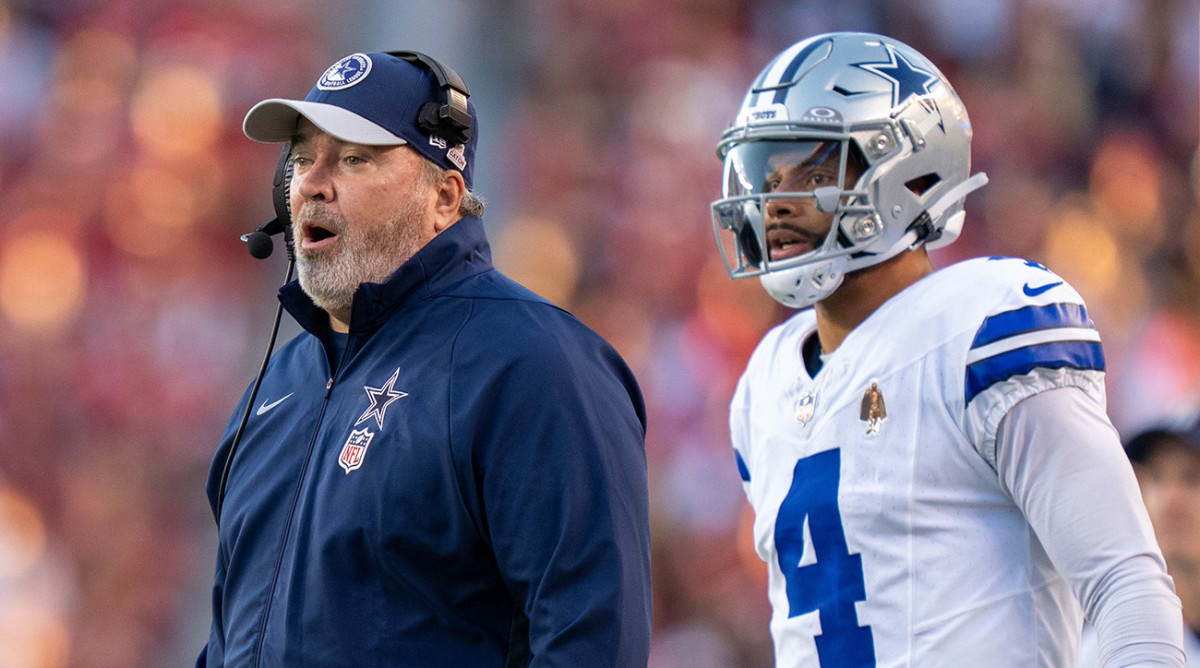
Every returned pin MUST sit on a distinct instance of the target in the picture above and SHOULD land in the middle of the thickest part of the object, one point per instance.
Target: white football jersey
(889, 536)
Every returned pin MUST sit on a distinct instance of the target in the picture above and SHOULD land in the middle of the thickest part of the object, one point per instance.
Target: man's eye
(771, 185)
(354, 160)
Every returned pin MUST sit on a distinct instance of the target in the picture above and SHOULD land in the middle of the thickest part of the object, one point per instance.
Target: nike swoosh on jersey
(266, 407)
(1033, 292)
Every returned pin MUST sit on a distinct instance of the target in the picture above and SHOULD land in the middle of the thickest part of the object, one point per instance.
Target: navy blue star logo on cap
(906, 79)
(381, 398)
(345, 72)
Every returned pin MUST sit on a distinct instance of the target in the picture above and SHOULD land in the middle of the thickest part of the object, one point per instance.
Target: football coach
(442, 468)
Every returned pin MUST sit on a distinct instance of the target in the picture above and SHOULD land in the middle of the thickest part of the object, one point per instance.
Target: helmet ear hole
(921, 185)
(856, 164)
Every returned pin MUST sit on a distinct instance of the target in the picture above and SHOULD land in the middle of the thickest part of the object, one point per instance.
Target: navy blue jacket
(467, 487)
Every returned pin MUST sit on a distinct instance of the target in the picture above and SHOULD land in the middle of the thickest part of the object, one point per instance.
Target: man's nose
(315, 183)
(777, 209)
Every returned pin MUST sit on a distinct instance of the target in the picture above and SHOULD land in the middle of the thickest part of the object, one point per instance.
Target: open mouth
(314, 236)
(786, 241)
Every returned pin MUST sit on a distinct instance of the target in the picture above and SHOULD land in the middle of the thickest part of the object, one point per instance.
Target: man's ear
(449, 190)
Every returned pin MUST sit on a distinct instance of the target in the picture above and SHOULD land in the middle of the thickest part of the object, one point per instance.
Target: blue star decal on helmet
(906, 79)
(381, 398)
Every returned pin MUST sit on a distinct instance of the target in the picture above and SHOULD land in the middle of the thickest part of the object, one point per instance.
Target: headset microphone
(259, 243)
(260, 246)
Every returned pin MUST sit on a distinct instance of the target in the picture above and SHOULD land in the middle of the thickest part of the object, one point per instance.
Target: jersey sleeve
(1036, 336)
(1061, 461)
(739, 431)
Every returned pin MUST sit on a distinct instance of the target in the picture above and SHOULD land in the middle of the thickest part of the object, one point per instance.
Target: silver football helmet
(848, 149)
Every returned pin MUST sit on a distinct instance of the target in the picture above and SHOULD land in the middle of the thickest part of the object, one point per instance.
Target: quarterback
(934, 478)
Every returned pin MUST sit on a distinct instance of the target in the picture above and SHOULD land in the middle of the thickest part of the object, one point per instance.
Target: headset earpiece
(281, 186)
(258, 242)
(451, 118)
(281, 195)
(445, 121)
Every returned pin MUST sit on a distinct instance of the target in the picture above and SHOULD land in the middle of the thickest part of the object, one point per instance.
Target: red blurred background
(131, 317)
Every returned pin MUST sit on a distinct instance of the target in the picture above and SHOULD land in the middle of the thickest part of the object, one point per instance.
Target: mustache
(316, 214)
(815, 239)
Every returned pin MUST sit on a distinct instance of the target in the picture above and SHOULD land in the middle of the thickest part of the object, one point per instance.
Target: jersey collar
(461, 251)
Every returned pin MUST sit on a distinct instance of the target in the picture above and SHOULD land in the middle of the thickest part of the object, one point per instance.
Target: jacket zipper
(287, 531)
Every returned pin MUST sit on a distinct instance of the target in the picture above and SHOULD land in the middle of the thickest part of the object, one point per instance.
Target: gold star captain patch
(874, 412)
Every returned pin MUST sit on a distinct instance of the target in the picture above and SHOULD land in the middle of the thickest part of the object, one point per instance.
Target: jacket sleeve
(557, 447)
(1061, 460)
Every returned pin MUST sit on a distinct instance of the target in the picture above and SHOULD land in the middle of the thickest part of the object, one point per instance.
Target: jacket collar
(459, 252)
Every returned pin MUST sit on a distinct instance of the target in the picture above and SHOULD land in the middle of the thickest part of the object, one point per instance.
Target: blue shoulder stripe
(1087, 355)
(742, 470)
(1030, 318)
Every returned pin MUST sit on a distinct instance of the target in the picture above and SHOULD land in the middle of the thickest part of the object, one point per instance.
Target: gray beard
(330, 278)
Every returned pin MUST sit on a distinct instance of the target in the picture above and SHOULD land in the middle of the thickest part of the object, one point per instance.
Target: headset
(259, 244)
(449, 118)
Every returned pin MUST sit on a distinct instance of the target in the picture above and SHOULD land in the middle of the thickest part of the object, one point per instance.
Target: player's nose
(778, 209)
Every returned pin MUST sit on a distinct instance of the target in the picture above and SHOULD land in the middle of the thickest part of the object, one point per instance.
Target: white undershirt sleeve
(1061, 460)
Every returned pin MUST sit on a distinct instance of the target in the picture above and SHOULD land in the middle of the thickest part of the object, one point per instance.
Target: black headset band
(446, 77)
(453, 118)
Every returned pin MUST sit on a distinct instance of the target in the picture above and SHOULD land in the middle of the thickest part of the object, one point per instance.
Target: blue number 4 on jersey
(834, 582)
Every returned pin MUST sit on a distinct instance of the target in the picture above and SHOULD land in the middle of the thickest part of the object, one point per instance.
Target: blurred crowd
(131, 317)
